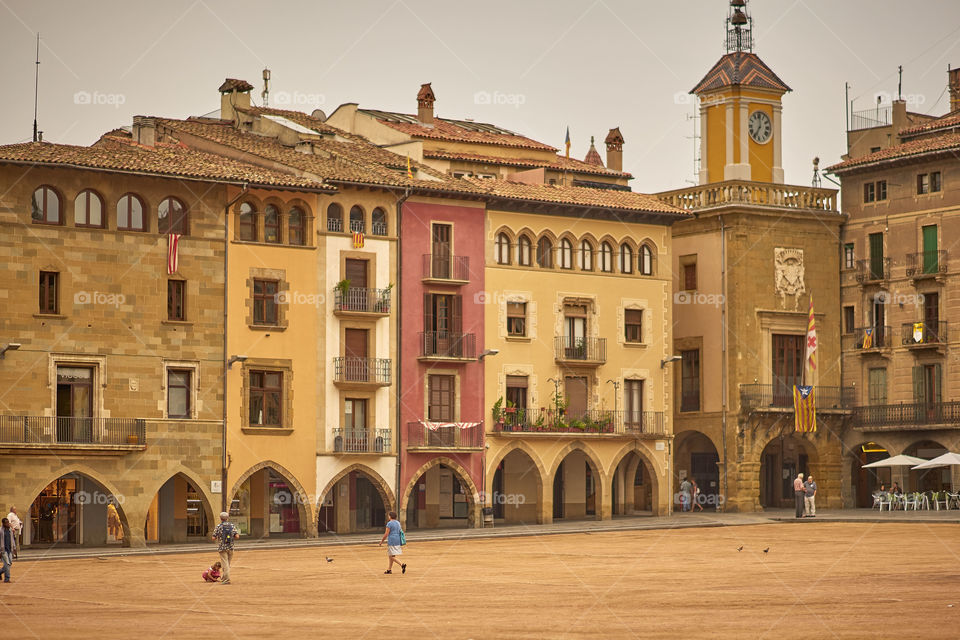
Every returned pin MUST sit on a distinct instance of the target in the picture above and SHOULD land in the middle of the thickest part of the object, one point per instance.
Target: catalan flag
(804, 409)
(173, 253)
(567, 142)
(357, 240)
(867, 338)
(409, 169)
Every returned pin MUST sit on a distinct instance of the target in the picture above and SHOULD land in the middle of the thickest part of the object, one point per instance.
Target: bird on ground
(329, 559)
(740, 548)
(767, 550)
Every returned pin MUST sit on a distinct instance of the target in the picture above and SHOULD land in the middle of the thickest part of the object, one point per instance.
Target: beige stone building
(899, 287)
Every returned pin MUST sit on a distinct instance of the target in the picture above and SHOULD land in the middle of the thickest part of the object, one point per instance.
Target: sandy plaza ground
(819, 580)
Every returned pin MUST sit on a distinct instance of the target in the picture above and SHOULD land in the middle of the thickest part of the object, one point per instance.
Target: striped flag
(567, 142)
(804, 409)
(173, 259)
(357, 240)
(811, 359)
(409, 169)
(867, 338)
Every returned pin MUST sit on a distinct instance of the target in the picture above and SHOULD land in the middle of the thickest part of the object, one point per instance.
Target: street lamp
(12, 346)
(666, 361)
(487, 352)
(616, 393)
(235, 359)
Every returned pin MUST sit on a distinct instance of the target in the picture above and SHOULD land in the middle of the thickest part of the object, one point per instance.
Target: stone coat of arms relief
(789, 275)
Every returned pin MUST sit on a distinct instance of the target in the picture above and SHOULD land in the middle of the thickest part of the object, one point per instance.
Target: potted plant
(383, 302)
(342, 288)
(498, 413)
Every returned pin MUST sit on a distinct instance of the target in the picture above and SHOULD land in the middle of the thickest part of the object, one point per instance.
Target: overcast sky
(589, 65)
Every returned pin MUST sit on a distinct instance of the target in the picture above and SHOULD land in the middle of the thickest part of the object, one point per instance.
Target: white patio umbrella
(946, 460)
(896, 461)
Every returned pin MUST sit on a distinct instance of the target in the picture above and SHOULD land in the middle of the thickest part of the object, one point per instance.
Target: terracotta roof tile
(947, 121)
(116, 153)
(593, 157)
(458, 131)
(233, 84)
(740, 68)
(560, 163)
(942, 143)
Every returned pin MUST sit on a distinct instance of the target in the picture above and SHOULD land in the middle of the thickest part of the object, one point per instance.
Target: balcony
(361, 372)
(779, 398)
(873, 270)
(350, 440)
(362, 301)
(357, 226)
(907, 417)
(378, 228)
(590, 422)
(423, 435)
(924, 335)
(575, 350)
(47, 432)
(335, 225)
(443, 345)
(927, 264)
(744, 192)
(441, 269)
(869, 339)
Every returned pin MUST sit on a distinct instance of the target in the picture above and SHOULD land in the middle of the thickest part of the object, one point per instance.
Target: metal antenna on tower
(265, 94)
(36, 92)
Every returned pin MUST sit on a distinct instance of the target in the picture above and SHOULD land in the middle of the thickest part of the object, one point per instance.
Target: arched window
(646, 260)
(626, 259)
(88, 209)
(502, 248)
(523, 251)
(566, 254)
(378, 222)
(45, 206)
(172, 216)
(334, 217)
(357, 224)
(130, 213)
(545, 253)
(295, 222)
(586, 255)
(248, 222)
(271, 224)
(606, 257)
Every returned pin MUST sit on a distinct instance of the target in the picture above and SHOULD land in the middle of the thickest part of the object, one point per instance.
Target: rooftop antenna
(817, 183)
(36, 92)
(900, 82)
(265, 94)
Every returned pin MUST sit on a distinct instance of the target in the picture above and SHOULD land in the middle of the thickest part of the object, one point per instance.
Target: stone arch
(304, 504)
(654, 253)
(513, 491)
(657, 471)
(680, 435)
(299, 203)
(503, 453)
(857, 482)
(593, 460)
(386, 494)
(191, 477)
(473, 515)
(505, 230)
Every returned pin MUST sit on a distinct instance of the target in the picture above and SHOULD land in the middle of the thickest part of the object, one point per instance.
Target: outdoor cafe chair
(941, 497)
(954, 499)
(877, 500)
(886, 499)
(912, 499)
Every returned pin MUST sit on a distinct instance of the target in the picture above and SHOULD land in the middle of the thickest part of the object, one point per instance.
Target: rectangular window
(848, 256)
(923, 183)
(633, 325)
(877, 271)
(690, 380)
(881, 190)
(176, 295)
(690, 277)
(440, 398)
(49, 292)
(935, 182)
(74, 403)
(931, 259)
(849, 320)
(517, 319)
(265, 302)
(788, 353)
(869, 193)
(178, 393)
(266, 398)
(355, 414)
(878, 386)
(516, 392)
(633, 401)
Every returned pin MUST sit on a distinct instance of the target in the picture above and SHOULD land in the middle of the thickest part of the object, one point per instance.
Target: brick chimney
(234, 94)
(614, 141)
(144, 131)
(954, 84)
(425, 100)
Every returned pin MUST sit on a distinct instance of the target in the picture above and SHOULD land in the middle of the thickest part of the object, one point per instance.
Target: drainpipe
(226, 356)
(399, 307)
(723, 353)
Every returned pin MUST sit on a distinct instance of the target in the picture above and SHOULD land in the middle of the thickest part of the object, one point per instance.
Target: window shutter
(918, 385)
(937, 378)
(428, 312)
(456, 317)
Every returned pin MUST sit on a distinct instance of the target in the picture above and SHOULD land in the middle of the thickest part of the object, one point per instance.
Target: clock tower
(740, 109)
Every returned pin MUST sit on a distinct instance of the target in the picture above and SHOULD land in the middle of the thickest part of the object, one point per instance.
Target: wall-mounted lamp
(666, 361)
(235, 359)
(12, 346)
(488, 352)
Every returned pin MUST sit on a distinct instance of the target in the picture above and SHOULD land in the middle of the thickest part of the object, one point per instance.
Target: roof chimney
(614, 141)
(954, 83)
(144, 131)
(425, 100)
(234, 94)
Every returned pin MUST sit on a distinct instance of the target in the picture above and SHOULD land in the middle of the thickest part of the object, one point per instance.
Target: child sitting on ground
(213, 573)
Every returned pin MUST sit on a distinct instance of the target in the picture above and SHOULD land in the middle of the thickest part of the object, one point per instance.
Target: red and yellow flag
(810, 363)
(409, 169)
(804, 409)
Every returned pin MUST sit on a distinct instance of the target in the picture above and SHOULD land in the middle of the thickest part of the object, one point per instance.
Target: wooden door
(440, 402)
(576, 390)
(355, 350)
(441, 250)
(930, 256)
(931, 317)
(355, 272)
(787, 367)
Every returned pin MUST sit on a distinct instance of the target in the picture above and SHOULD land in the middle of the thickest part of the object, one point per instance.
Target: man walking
(224, 535)
(810, 492)
(8, 549)
(685, 492)
(15, 523)
(799, 493)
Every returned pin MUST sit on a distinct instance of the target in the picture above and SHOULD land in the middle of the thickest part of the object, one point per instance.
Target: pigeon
(767, 550)
(740, 548)
(329, 559)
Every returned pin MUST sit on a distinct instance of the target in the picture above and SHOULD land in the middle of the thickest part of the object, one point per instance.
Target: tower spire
(739, 27)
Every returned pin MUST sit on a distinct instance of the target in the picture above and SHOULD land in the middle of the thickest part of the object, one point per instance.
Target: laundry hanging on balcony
(433, 426)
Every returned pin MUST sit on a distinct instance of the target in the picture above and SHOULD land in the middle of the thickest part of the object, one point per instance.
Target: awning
(946, 460)
(895, 461)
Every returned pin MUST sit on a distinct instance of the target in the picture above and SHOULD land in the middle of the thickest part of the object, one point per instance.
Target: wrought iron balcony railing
(358, 226)
(351, 440)
(873, 337)
(362, 300)
(378, 228)
(335, 224)
(359, 370)
(579, 422)
(761, 397)
(433, 435)
(446, 267)
(873, 270)
(443, 344)
(927, 264)
(576, 349)
(914, 334)
(898, 416)
(57, 430)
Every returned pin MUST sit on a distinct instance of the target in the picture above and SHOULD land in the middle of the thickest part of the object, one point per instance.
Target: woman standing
(392, 536)
(696, 495)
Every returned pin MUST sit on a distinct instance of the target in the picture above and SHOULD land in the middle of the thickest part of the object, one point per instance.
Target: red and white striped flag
(810, 363)
(173, 246)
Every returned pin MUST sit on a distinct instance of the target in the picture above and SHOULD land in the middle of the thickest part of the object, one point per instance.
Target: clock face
(759, 127)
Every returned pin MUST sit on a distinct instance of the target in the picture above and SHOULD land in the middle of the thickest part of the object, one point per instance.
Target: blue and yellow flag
(804, 409)
(567, 142)
(867, 338)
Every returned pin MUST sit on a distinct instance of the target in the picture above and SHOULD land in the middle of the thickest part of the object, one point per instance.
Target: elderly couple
(805, 493)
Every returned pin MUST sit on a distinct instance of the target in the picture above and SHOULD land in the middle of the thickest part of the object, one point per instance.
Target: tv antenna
(36, 92)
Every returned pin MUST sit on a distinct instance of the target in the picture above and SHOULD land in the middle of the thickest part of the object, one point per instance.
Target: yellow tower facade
(740, 111)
